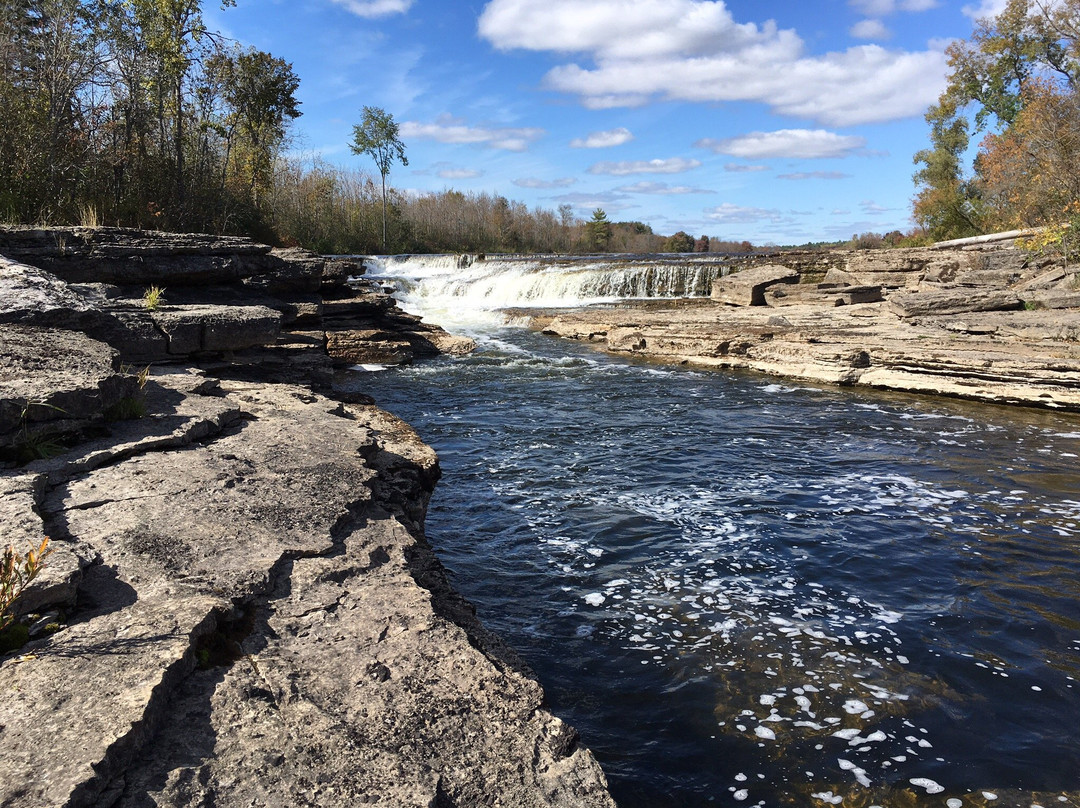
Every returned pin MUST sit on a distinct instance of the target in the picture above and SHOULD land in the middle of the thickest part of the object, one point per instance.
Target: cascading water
(453, 290)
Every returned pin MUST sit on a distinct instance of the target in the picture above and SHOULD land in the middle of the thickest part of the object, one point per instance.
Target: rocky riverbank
(981, 320)
(241, 607)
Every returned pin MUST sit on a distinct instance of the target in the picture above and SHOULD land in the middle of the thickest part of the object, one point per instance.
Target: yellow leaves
(16, 573)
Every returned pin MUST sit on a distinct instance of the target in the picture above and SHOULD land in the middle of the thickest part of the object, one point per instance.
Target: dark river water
(744, 591)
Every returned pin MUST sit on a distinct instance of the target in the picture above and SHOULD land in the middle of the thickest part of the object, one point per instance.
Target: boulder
(840, 277)
(821, 294)
(946, 300)
(747, 287)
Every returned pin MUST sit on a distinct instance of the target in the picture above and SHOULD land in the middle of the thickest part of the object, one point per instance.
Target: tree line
(134, 113)
(1014, 82)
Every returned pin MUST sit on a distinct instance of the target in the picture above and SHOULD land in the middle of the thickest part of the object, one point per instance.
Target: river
(750, 591)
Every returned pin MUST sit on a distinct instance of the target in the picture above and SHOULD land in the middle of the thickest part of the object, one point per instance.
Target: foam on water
(812, 586)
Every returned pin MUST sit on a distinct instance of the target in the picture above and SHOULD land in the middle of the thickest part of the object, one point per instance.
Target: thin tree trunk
(384, 214)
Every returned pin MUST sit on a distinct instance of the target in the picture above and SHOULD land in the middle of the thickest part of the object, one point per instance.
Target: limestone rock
(822, 294)
(368, 346)
(1054, 299)
(906, 268)
(950, 301)
(266, 624)
(195, 329)
(1012, 356)
(54, 384)
(747, 287)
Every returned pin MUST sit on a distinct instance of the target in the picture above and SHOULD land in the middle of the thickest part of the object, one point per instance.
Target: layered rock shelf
(241, 607)
(983, 321)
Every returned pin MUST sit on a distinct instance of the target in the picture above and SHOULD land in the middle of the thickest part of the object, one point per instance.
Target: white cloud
(694, 50)
(739, 168)
(370, 9)
(814, 175)
(449, 130)
(674, 165)
(533, 182)
(734, 214)
(986, 8)
(870, 29)
(459, 173)
(883, 8)
(789, 143)
(872, 208)
(660, 189)
(603, 140)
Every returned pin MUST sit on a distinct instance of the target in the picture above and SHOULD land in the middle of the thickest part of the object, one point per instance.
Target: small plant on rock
(31, 445)
(16, 573)
(153, 298)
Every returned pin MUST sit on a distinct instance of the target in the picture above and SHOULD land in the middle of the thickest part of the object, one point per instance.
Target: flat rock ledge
(982, 321)
(241, 607)
(250, 615)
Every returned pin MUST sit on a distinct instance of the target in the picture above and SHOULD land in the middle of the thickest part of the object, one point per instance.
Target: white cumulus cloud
(449, 130)
(789, 143)
(603, 140)
(694, 50)
(369, 9)
(674, 165)
(985, 8)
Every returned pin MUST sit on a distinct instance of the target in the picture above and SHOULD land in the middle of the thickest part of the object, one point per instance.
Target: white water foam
(459, 291)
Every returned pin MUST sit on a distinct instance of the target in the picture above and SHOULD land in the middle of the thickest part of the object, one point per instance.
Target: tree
(1030, 173)
(680, 242)
(992, 78)
(172, 31)
(260, 92)
(377, 136)
(599, 230)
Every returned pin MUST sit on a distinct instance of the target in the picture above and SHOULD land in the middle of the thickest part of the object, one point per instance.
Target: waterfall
(460, 289)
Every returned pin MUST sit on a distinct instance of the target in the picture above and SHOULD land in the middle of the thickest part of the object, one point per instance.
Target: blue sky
(774, 122)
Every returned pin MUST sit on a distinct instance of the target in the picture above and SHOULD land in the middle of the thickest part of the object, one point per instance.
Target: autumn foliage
(1016, 82)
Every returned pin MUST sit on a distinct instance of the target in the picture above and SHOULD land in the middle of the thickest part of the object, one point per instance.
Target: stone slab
(747, 287)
